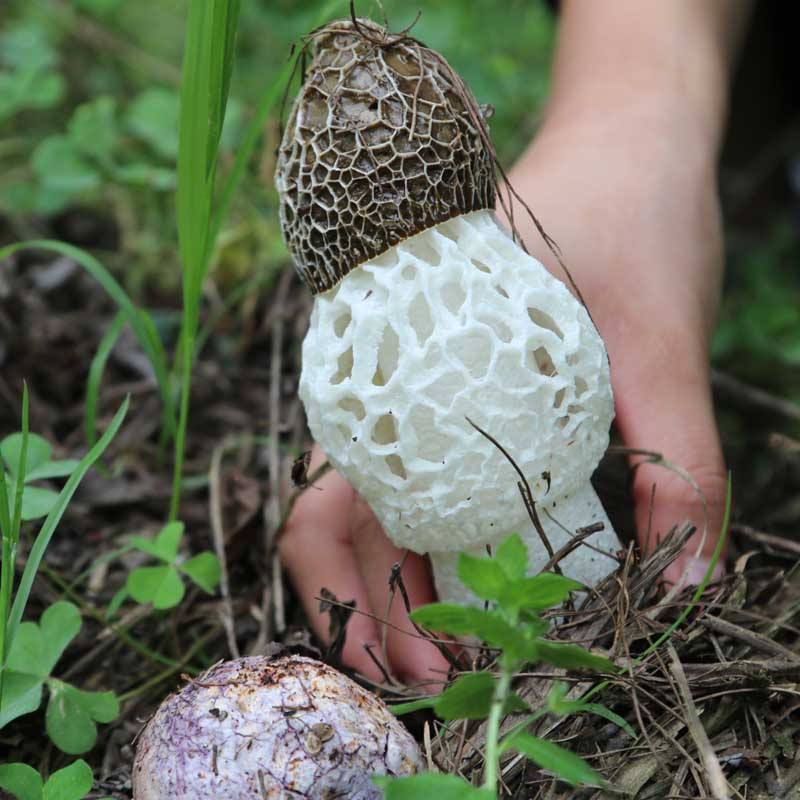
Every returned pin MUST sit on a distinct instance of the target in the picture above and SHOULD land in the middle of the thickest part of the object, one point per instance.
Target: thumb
(670, 411)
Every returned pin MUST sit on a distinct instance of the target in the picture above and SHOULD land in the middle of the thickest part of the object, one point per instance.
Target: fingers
(316, 551)
(413, 659)
(332, 539)
(667, 408)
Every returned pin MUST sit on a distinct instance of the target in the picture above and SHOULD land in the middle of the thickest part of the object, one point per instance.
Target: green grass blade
(255, 129)
(226, 17)
(44, 536)
(118, 295)
(207, 68)
(16, 516)
(96, 374)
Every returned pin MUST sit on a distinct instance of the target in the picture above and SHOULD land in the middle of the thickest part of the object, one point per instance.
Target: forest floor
(247, 428)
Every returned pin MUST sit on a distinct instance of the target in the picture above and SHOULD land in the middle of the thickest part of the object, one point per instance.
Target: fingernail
(690, 572)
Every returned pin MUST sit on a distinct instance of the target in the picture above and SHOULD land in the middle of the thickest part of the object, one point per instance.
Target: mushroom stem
(590, 562)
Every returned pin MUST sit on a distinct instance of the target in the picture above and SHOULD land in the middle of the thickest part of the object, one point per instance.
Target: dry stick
(218, 534)
(770, 539)
(753, 639)
(753, 396)
(272, 507)
(396, 583)
(716, 778)
(524, 488)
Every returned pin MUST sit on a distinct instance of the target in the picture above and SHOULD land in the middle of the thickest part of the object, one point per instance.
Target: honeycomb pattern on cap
(384, 140)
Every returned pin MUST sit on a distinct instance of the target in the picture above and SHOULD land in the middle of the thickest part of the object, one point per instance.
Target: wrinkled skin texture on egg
(262, 729)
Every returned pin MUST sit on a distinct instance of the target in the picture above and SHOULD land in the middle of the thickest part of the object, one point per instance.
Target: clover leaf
(162, 585)
(71, 713)
(25, 783)
(36, 501)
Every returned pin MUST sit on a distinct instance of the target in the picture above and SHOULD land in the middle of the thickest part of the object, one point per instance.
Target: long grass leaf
(21, 469)
(47, 530)
(254, 130)
(207, 67)
(96, 369)
(124, 303)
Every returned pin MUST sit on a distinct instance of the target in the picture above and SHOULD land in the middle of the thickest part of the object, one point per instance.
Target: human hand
(332, 539)
(635, 210)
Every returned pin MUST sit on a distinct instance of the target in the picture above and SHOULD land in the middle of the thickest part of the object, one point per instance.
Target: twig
(218, 535)
(779, 542)
(524, 488)
(272, 506)
(714, 774)
(752, 396)
(751, 638)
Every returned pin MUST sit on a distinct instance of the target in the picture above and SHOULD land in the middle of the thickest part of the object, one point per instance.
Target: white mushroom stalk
(264, 729)
(428, 315)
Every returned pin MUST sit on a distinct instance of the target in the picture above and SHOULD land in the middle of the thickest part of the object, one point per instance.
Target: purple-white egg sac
(266, 729)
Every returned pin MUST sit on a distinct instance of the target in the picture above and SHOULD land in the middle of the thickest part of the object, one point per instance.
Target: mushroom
(258, 728)
(428, 316)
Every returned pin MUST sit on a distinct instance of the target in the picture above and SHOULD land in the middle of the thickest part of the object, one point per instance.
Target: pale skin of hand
(623, 177)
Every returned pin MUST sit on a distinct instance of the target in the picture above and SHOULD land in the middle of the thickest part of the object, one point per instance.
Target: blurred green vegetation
(89, 110)
(88, 118)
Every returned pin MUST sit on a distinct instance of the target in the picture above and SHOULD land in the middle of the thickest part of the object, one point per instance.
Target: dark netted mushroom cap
(384, 140)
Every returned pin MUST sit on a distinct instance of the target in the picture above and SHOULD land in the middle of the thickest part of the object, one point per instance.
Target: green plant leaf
(428, 785)
(96, 375)
(168, 541)
(70, 783)
(204, 569)
(398, 709)
(489, 626)
(69, 724)
(120, 596)
(553, 758)
(514, 704)
(512, 555)
(59, 624)
(468, 697)
(572, 656)
(27, 45)
(27, 651)
(37, 502)
(61, 168)
(92, 130)
(24, 782)
(558, 703)
(161, 586)
(48, 528)
(165, 545)
(52, 469)
(153, 117)
(139, 173)
(538, 592)
(99, 7)
(484, 576)
(22, 694)
(38, 454)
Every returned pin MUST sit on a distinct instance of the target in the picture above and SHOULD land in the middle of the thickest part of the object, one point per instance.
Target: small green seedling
(71, 713)
(162, 585)
(25, 783)
(36, 501)
(511, 623)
